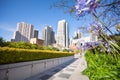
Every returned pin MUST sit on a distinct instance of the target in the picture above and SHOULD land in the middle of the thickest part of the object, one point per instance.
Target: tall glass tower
(48, 35)
(63, 34)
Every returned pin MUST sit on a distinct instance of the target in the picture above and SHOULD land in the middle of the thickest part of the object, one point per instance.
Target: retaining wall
(23, 70)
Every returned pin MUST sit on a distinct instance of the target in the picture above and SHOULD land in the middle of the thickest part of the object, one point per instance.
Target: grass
(102, 66)
(13, 55)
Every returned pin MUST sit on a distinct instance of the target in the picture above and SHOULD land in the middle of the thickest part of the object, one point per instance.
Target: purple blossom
(95, 28)
(85, 6)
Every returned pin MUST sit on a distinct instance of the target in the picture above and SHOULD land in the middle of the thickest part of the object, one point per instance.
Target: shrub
(23, 45)
(13, 55)
(65, 50)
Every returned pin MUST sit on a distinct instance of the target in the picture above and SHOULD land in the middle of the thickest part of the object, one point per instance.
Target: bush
(65, 50)
(13, 55)
(2, 42)
(102, 66)
(23, 45)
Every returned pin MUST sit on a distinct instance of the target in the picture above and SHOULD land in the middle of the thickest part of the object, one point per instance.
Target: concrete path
(67, 71)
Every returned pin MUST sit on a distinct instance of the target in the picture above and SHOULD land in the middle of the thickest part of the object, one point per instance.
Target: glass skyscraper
(63, 34)
(48, 35)
(36, 32)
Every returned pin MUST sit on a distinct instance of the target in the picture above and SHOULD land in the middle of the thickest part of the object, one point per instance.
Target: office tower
(23, 32)
(63, 34)
(48, 35)
(36, 34)
(77, 35)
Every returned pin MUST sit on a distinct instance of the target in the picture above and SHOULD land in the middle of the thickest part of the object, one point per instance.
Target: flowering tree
(111, 8)
(107, 16)
(84, 7)
(105, 12)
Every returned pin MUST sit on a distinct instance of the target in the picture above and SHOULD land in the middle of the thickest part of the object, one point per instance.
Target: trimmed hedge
(102, 66)
(13, 55)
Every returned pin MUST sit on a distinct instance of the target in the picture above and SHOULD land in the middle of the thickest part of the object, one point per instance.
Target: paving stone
(64, 75)
(75, 63)
(74, 66)
(69, 69)
(52, 78)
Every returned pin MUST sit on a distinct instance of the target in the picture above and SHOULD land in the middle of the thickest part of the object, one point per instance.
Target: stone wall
(23, 70)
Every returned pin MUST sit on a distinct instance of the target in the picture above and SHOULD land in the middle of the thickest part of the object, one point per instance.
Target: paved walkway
(67, 71)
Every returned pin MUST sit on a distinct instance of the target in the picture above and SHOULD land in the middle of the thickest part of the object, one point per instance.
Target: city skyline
(37, 13)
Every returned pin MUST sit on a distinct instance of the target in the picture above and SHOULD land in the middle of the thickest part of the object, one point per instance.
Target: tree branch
(111, 4)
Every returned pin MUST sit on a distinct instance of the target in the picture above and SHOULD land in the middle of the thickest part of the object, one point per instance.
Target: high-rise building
(77, 35)
(35, 34)
(63, 34)
(24, 32)
(48, 35)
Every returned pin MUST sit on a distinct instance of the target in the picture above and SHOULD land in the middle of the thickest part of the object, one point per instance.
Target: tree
(105, 12)
(2, 42)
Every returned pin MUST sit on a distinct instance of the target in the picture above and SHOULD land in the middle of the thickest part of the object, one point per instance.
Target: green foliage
(77, 51)
(23, 45)
(102, 66)
(2, 42)
(13, 55)
(65, 50)
(116, 37)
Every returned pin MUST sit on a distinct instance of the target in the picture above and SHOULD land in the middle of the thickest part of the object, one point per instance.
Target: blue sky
(36, 12)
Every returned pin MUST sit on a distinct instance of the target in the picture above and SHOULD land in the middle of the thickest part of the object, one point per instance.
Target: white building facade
(24, 32)
(63, 34)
